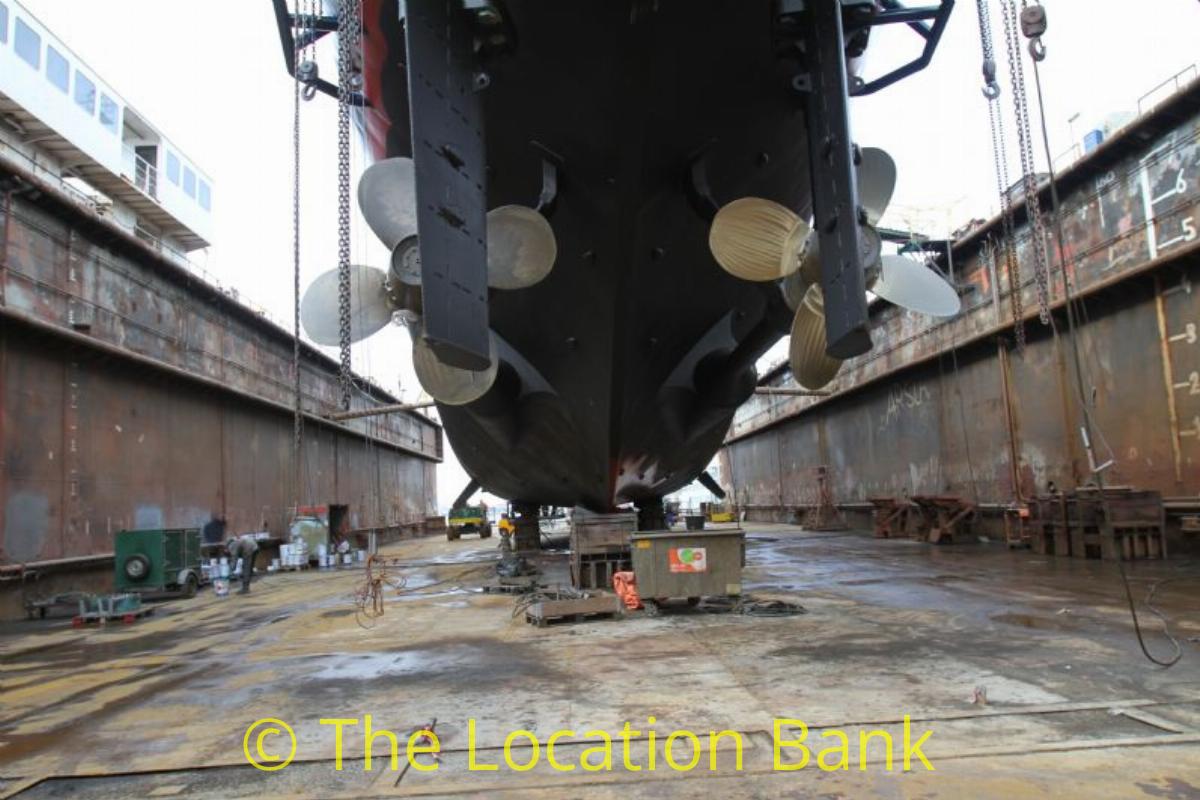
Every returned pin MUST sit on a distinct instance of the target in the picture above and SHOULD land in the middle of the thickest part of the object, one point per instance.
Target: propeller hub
(406, 261)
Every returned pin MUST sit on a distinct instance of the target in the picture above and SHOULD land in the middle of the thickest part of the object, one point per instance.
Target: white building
(62, 122)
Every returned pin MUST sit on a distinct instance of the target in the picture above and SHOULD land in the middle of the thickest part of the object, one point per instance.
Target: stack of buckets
(219, 570)
(328, 558)
(294, 554)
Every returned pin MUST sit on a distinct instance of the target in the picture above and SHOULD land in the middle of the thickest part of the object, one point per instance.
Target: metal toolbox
(689, 564)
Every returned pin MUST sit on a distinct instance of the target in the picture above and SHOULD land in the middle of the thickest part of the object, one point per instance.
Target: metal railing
(145, 176)
(1173, 82)
(98, 204)
(1068, 157)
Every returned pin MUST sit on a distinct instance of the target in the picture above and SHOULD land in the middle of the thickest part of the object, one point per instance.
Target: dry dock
(893, 627)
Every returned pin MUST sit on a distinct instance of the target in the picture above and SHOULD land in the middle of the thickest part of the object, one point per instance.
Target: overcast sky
(210, 75)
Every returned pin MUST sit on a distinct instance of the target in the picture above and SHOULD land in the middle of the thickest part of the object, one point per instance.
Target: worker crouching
(245, 548)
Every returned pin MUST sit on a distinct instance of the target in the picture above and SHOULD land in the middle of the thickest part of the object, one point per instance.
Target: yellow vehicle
(468, 519)
(719, 512)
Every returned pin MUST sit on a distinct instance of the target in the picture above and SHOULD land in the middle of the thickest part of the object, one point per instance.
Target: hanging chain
(348, 30)
(1000, 156)
(1028, 165)
(300, 28)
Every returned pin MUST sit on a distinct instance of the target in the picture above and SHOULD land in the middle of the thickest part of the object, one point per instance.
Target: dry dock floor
(160, 708)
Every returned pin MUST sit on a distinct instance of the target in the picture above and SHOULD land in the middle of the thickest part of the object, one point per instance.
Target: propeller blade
(811, 367)
(451, 385)
(370, 308)
(876, 182)
(912, 285)
(521, 247)
(757, 239)
(388, 199)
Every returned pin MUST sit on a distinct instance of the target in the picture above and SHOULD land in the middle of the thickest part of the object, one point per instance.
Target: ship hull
(625, 365)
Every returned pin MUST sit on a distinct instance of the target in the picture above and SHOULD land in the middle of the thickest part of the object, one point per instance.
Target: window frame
(174, 169)
(115, 127)
(82, 78)
(4, 23)
(52, 54)
(203, 193)
(23, 26)
(188, 172)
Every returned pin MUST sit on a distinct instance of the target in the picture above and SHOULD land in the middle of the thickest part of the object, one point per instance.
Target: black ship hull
(621, 370)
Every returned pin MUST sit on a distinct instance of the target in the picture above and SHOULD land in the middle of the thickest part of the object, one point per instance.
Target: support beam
(834, 188)
(465, 495)
(708, 482)
(394, 408)
(651, 516)
(790, 391)
(528, 535)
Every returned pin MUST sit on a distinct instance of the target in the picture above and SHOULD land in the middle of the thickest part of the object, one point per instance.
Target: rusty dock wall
(134, 394)
(953, 406)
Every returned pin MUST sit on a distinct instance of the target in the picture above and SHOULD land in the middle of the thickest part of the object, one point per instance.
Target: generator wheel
(485, 532)
(453, 536)
(191, 585)
(137, 567)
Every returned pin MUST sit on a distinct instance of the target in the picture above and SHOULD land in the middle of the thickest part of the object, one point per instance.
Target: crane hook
(991, 89)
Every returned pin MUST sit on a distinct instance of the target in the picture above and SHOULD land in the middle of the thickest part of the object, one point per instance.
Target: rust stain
(91, 442)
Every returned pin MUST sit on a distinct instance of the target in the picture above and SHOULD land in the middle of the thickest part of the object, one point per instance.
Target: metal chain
(347, 37)
(1012, 264)
(1000, 157)
(297, 415)
(1028, 166)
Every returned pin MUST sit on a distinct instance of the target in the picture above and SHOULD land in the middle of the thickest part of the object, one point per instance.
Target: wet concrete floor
(161, 708)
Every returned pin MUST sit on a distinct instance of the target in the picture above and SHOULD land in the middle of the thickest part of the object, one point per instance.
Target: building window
(172, 168)
(28, 44)
(58, 70)
(85, 93)
(110, 113)
(3, 23)
(205, 195)
(189, 182)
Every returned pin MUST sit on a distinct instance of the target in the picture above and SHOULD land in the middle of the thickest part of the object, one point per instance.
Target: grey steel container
(689, 563)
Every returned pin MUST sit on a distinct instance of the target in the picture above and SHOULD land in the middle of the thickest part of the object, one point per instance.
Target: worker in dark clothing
(245, 548)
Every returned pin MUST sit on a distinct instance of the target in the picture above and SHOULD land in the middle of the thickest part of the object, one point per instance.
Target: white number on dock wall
(1188, 335)
(1192, 384)
(1188, 226)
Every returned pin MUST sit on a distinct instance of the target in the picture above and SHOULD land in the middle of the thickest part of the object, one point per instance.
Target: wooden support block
(547, 611)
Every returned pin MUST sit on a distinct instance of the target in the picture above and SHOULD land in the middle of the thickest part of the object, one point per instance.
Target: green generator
(158, 561)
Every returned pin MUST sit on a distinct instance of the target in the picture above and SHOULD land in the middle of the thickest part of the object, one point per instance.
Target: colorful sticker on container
(687, 559)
